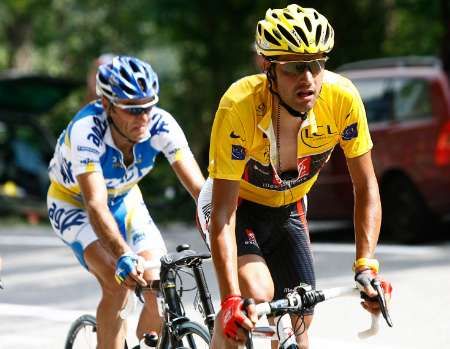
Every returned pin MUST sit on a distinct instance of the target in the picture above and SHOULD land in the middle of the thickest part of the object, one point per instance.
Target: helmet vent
(134, 66)
(270, 38)
(287, 15)
(128, 90)
(316, 15)
(308, 24)
(142, 84)
(318, 33)
(277, 34)
(259, 29)
(301, 34)
(124, 73)
(327, 34)
(102, 78)
(287, 35)
(274, 15)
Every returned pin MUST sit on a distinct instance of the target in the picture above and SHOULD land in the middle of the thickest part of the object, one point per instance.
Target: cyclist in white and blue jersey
(94, 203)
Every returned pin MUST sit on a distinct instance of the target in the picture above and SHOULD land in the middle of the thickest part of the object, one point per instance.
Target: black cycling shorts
(280, 235)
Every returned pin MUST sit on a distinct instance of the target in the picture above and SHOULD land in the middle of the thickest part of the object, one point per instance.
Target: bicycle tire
(82, 333)
(192, 336)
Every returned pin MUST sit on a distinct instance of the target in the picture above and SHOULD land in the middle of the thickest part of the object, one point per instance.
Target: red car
(407, 101)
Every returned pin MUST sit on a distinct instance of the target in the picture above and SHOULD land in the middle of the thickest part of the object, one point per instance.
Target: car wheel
(406, 217)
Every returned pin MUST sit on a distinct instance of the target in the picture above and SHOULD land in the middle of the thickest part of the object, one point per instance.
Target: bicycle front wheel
(82, 333)
(191, 335)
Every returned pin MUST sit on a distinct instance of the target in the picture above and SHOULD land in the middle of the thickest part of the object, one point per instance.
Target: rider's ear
(105, 103)
(265, 65)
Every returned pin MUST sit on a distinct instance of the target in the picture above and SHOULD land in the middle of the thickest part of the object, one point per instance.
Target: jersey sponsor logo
(158, 125)
(237, 152)
(234, 135)
(89, 161)
(98, 132)
(66, 171)
(87, 149)
(174, 151)
(137, 237)
(116, 162)
(263, 176)
(350, 132)
(261, 109)
(323, 136)
(304, 167)
(251, 238)
(206, 210)
(64, 219)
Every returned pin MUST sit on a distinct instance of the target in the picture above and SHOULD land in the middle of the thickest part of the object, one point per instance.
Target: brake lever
(376, 284)
(138, 291)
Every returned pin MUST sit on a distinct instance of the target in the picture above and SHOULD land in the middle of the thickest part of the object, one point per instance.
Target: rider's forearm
(190, 175)
(367, 219)
(223, 249)
(106, 229)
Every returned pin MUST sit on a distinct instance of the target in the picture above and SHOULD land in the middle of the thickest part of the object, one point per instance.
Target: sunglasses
(315, 66)
(137, 110)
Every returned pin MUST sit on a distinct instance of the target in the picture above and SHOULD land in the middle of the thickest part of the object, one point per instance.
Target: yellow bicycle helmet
(293, 30)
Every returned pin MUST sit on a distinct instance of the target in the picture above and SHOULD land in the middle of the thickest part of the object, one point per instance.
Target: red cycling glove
(232, 315)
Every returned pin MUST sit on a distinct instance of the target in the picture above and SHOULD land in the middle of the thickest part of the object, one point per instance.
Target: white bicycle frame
(284, 331)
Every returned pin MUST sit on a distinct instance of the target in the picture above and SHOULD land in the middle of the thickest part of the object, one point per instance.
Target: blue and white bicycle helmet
(127, 78)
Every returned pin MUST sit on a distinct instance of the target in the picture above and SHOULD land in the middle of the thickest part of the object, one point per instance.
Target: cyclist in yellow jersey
(272, 134)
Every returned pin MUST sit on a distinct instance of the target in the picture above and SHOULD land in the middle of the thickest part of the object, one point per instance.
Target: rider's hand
(130, 270)
(233, 320)
(365, 280)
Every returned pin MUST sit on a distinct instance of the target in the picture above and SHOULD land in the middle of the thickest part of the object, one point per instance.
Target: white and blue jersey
(86, 145)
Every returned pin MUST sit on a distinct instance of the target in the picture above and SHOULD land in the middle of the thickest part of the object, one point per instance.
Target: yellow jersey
(243, 143)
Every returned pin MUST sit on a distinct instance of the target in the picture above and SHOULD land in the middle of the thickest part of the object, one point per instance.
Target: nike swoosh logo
(234, 135)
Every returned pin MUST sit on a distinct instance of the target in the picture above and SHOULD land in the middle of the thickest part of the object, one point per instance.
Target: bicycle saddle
(182, 258)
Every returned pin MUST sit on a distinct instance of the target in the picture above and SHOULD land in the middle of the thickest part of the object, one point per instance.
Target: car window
(412, 99)
(378, 98)
(23, 157)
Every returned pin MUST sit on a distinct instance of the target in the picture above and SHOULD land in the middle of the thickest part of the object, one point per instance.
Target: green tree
(198, 48)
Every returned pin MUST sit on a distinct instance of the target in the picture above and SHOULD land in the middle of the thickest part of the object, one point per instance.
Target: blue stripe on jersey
(145, 156)
(111, 162)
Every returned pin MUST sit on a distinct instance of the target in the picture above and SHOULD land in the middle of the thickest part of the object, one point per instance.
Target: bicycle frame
(174, 313)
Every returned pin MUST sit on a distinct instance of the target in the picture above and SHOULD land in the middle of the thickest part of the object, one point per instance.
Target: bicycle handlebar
(304, 296)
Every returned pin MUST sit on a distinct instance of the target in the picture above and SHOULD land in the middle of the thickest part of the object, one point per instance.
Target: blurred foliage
(198, 49)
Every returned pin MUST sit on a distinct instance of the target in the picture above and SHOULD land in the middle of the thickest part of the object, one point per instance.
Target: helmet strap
(271, 76)
(111, 122)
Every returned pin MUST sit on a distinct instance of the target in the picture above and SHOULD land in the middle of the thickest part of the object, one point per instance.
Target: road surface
(46, 289)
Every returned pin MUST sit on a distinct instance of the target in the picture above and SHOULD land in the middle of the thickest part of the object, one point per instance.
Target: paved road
(45, 289)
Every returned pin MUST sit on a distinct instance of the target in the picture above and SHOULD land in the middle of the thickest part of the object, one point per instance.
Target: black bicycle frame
(205, 295)
(173, 311)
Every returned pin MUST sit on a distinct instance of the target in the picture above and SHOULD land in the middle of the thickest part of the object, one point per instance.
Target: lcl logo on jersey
(261, 109)
(325, 135)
